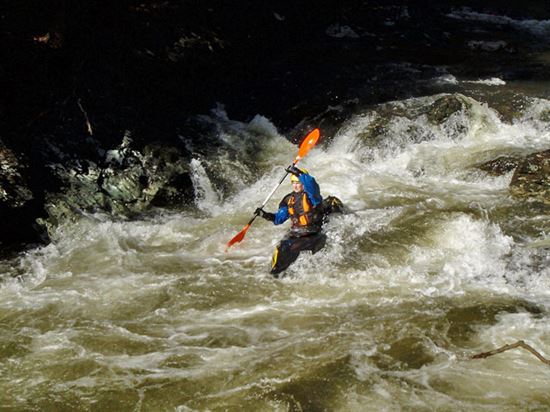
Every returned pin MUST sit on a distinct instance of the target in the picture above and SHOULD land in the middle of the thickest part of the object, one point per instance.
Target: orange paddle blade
(238, 237)
(307, 144)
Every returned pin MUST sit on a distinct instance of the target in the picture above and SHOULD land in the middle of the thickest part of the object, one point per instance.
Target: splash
(433, 260)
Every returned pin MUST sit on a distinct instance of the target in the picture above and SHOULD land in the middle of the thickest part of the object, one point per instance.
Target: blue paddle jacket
(304, 208)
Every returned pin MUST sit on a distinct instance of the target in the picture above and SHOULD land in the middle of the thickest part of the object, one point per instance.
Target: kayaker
(304, 207)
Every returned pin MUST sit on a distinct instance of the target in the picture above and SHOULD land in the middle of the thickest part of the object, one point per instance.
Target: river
(433, 262)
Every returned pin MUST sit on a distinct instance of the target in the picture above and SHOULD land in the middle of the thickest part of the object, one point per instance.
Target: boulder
(444, 107)
(501, 165)
(128, 183)
(531, 179)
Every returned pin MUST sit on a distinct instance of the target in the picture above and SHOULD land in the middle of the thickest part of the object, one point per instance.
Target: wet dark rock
(14, 191)
(127, 183)
(531, 179)
(174, 192)
(375, 129)
(18, 208)
(501, 165)
(383, 117)
(444, 107)
(329, 121)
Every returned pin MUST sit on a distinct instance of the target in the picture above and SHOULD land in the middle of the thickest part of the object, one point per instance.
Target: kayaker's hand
(266, 215)
(294, 170)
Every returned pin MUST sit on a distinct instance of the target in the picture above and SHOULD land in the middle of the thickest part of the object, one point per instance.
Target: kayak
(289, 248)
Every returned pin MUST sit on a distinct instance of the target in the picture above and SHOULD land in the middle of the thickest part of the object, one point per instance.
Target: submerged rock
(532, 178)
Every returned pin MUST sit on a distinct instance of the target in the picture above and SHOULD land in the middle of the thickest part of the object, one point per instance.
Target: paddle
(307, 144)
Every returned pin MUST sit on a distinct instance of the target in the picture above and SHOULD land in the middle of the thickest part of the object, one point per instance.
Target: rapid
(433, 262)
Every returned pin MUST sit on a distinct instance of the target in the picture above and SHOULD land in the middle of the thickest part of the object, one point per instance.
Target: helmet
(294, 178)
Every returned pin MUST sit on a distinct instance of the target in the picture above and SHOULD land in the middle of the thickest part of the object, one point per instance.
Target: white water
(435, 262)
(539, 28)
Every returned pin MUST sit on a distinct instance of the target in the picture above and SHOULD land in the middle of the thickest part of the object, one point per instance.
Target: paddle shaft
(270, 195)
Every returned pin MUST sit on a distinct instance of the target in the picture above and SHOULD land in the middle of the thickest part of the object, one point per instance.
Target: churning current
(433, 262)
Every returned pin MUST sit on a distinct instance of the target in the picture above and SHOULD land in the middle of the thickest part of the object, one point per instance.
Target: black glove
(266, 215)
(294, 170)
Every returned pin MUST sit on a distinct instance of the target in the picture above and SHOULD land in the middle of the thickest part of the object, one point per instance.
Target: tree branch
(88, 124)
(518, 344)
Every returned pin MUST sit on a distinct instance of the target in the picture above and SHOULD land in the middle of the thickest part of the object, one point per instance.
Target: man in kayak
(304, 207)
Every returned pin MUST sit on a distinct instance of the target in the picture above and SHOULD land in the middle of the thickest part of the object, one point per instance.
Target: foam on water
(381, 312)
(493, 81)
(206, 197)
(459, 251)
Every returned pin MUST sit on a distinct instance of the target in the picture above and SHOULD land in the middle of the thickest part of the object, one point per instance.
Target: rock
(379, 126)
(174, 192)
(531, 179)
(127, 184)
(18, 207)
(501, 165)
(444, 107)
(14, 192)
(329, 121)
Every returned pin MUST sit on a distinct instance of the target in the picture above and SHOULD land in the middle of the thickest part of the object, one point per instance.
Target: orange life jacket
(302, 214)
